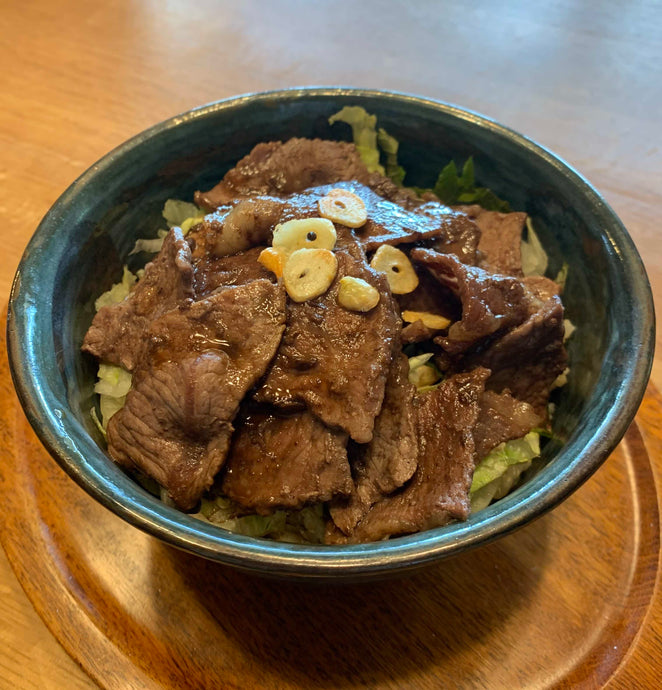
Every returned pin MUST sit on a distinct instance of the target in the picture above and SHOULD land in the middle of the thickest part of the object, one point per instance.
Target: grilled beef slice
(490, 302)
(285, 462)
(212, 273)
(200, 360)
(278, 168)
(390, 459)
(529, 358)
(512, 327)
(236, 227)
(251, 221)
(390, 223)
(438, 492)
(116, 333)
(403, 196)
(333, 360)
(502, 418)
(500, 239)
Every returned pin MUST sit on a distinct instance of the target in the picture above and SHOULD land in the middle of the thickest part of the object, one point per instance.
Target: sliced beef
(416, 332)
(461, 235)
(439, 490)
(490, 302)
(236, 228)
(543, 288)
(285, 462)
(390, 223)
(502, 418)
(212, 273)
(528, 359)
(200, 361)
(230, 229)
(500, 239)
(116, 333)
(403, 196)
(390, 459)
(278, 168)
(334, 360)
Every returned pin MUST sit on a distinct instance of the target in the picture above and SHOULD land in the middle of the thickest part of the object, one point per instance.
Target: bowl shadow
(295, 634)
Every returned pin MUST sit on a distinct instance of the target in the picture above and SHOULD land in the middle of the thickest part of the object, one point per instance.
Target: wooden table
(582, 78)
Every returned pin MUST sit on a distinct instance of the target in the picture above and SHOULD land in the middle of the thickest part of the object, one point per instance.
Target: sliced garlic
(356, 294)
(304, 233)
(309, 273)
(434, 321)
(396, 266)
(344, 207)
(273, 259)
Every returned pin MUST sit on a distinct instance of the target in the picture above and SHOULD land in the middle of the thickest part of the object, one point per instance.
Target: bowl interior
(81, 245)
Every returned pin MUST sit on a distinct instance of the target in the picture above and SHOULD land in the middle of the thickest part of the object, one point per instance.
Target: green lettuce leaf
(498, 472)
(117, 292)
(364, 133)
(179, 213)
(389, 146)
(453, 188)
(422, 373)
(112, 386)
(372, 143)
(296, 526)
(534, 256)
(149, 246)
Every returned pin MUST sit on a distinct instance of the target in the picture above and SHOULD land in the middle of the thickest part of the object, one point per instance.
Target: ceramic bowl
(80, 246)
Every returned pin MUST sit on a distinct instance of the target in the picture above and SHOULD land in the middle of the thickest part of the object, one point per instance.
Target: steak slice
(403, 196)
(390, 223)
(500, 238)
(239, 269)
(491, 303)
(200, 361)
(390, 459)
(251, 221)
(235, 228)
(334, 360)
(284, 168)
(528, 359)
(285, 462)
(116, 333)
(502, 418)
(439, 490)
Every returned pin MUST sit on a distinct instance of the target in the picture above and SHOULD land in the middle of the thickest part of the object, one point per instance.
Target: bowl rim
(119, 493)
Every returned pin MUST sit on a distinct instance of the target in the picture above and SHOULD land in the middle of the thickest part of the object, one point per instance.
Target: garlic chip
(397, 268)
(344, 207)
(309, 273)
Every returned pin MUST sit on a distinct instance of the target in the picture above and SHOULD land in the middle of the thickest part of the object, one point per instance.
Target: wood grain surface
(583, 78)
(562, 603)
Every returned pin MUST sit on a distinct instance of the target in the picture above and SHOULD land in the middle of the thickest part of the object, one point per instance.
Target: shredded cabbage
(112, 386)
(118, 291)
(295, 526)
(371, 142)
(497, 473)
(178, 213)
(149, 246)
(423, 373)
(364, 133)
(534, 257)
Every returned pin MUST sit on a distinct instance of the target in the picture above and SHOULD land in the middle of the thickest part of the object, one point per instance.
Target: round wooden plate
(568, 601)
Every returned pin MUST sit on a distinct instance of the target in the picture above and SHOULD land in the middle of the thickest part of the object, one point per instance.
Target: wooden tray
(569, 601)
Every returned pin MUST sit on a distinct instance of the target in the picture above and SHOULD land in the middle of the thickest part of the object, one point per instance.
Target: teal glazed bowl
(80, 246)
